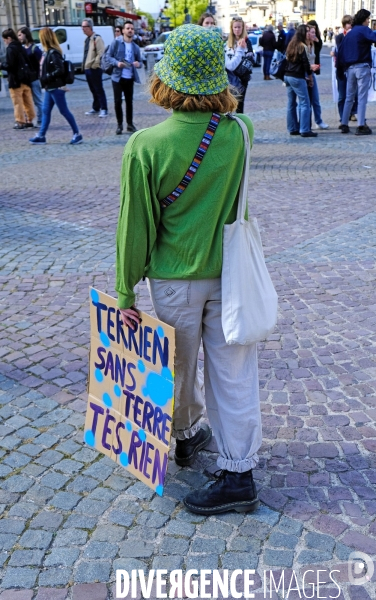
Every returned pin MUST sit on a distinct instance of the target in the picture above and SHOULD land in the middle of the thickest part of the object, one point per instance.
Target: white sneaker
(322, 125)
(103, 113)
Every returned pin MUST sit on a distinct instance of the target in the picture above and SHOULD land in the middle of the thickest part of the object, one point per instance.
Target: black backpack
(68, 72)
(106, 66)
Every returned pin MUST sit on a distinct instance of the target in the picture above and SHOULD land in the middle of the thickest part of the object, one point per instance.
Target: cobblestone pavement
(70, 516)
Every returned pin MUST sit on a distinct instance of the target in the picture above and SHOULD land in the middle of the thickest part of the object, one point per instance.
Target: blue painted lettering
(129, 397)
(119, 448)
(158, 469)
(132, 387)
(163, 354)
(147, 344)
(107, 430)
(147, 460)
(147, 416)
(120, 335)
(110, 323)
(165, 429)
(135, 443)
(136, 410)
(110, 365)
(98, 410)
(158, 418)
(120, 370)
(100, 352)
(100, 306)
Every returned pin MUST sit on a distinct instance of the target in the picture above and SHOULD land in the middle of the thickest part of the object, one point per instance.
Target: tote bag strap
(243, 190)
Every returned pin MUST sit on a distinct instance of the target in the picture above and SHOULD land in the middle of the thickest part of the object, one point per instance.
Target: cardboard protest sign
(131, 390)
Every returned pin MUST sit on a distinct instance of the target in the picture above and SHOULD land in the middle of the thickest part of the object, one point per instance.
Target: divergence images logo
(360, 568)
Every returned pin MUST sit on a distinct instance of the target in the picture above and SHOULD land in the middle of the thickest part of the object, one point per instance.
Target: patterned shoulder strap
(202, 149)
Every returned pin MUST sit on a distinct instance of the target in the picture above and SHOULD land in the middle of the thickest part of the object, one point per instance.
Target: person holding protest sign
(177, 243)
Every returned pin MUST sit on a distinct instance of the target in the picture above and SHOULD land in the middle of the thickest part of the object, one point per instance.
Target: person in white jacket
(237, 47)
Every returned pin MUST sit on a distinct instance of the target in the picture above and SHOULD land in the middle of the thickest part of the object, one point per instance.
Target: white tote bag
(249, 300)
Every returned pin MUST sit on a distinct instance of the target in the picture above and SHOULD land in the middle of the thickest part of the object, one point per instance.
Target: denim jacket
(116, 54)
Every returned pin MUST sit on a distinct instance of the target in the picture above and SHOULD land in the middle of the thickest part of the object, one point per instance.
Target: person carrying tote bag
(179, 189)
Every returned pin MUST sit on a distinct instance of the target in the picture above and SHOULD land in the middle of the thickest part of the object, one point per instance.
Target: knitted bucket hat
(193, 61)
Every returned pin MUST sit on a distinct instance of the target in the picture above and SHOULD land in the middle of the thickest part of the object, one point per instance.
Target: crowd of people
(297, 51)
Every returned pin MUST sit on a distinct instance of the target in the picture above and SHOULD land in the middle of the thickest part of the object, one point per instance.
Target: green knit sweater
(184, 240)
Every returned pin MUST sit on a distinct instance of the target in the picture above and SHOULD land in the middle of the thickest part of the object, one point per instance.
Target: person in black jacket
(269, 44)
(53, 81)
(34, 54)
(281, 41)
(17, 67)
(297, 75)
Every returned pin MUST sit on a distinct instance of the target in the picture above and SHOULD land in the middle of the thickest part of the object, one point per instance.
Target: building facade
(17, 13)
(330, 12)
(260, 13)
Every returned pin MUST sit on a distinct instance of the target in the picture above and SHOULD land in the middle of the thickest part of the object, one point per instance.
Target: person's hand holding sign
(130, 317)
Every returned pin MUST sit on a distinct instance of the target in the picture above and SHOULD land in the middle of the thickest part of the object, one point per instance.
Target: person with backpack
(125, 57)
(53, 81)
(34, 54)
(17, 67)
(91, 65)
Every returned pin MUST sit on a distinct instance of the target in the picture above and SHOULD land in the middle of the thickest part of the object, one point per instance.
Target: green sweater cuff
(125, 300)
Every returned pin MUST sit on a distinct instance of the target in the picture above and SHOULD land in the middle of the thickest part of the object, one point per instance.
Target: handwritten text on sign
(131, 389)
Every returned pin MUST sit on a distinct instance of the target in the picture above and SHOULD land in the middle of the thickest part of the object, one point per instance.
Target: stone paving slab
(69, 516)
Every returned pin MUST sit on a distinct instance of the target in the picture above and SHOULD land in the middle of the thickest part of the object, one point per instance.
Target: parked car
(72, 39)
(156, 50)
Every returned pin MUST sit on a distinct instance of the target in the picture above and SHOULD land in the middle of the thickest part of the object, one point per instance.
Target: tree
(176, 10)
(148, 16)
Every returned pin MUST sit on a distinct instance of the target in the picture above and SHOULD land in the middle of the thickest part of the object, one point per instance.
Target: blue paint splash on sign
(158, 389)
(89, 438)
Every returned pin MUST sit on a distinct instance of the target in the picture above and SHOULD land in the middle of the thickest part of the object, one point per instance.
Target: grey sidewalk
(70, 517)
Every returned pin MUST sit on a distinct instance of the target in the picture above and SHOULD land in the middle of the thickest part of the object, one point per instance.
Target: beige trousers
(22, 103)
(193, 307)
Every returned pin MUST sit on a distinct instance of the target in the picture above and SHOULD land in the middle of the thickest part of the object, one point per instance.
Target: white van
(72, 39)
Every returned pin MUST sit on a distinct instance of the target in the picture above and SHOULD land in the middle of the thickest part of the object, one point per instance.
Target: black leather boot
(231, 491)
(186, 450)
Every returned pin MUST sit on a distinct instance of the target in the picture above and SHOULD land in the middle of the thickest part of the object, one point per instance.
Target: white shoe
(322, 125)
(92, 112)
(103, 113)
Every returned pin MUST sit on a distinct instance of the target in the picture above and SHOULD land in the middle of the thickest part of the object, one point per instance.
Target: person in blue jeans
(354, 57)
(269, 44)
(313, 56)
(340, 75)
(53, 81)
(298, 76)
